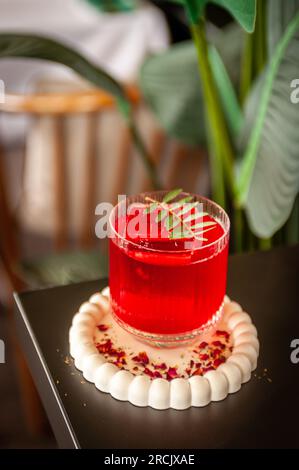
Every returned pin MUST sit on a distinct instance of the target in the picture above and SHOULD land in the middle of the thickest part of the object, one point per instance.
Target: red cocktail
(168, 278)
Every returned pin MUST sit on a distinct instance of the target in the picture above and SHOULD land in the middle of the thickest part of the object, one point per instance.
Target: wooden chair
(58, 106)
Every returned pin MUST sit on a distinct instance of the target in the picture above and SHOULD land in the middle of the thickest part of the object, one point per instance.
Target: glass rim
(183, 193)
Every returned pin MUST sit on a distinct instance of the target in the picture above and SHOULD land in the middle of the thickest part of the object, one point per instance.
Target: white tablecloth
(119, 42)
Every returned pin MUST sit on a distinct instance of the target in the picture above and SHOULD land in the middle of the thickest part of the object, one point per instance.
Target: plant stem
(238, 229)
(148, 162)
(246, 66)
(219, 133)
(292, 225)
(254, 54)
(265, 244)
(216, 171)
(259, 35)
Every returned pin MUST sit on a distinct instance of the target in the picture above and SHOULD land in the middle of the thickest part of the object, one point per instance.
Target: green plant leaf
(183, 201)
(269, 174)
(37, 47)
(279, 13)
(114, 5)
(172, 88)
(161, 215)
(244, 11)
(227, 94)
(169, 222)
(172, 195)
(203, 224)
(187, 208)
(195, 216)
(151, 208)
(179, 233)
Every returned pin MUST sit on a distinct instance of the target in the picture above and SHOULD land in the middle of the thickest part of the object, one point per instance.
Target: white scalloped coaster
(208, 370)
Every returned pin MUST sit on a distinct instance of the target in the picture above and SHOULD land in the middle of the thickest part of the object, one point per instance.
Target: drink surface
(162, 285)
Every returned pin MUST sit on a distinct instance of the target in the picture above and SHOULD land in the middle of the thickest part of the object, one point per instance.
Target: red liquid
(170, 291)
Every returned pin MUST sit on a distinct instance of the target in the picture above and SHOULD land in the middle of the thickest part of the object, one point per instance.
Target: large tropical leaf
(37, 47)
(244, 11)
(279, 13)
(269, 179)
(171, 86)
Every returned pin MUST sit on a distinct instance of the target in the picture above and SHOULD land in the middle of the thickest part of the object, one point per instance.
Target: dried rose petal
(172, 373)
(120, 354)
(102, 327)
(218, 361)
(104, 347)
(204, 357)
(217, 343)
(142, 358)
(157, 375)
(225, 334)
(197, 372)
(216, 352)
(161, 366)
(147, 371)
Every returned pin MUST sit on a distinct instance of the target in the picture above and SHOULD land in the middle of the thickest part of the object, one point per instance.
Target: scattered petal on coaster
(217, 363)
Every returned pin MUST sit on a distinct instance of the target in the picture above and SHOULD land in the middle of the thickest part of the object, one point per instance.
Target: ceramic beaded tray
(209, 369)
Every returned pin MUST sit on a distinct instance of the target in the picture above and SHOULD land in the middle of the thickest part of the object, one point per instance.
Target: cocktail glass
(167, 290)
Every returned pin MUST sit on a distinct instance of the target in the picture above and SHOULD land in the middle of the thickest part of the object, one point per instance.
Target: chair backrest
(57, 107)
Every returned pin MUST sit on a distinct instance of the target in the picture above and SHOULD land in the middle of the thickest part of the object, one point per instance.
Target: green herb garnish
(171, 214)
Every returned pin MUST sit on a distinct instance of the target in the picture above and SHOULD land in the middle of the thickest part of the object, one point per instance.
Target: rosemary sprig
(176, 226)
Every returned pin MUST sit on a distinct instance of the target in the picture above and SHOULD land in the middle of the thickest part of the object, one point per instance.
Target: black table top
(264, 413)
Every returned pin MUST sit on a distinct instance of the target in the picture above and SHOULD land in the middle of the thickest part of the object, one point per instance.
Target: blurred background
(64, 146)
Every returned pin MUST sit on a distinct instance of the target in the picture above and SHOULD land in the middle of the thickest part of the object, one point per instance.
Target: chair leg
(9, 256)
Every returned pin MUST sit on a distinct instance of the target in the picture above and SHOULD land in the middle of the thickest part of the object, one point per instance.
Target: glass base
(171, 340)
